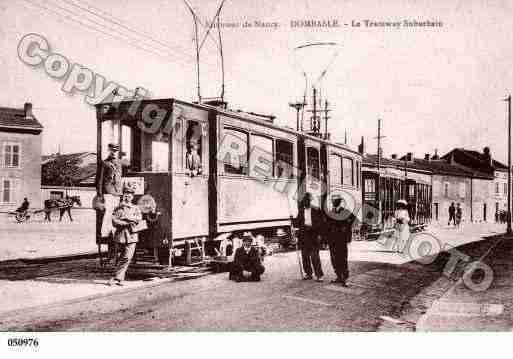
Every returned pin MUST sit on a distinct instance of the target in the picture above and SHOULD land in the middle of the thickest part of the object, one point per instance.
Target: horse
(63, 204)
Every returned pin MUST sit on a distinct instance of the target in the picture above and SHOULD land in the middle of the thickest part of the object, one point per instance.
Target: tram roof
(242, 115)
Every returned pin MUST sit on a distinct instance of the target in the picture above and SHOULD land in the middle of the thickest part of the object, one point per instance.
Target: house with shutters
(20, 164)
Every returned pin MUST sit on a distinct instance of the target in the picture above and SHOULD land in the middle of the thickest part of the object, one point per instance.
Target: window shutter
(2, 155)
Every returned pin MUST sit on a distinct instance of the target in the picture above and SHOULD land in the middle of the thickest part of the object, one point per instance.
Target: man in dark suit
(310, 227)
(247, 264)
(339, 228)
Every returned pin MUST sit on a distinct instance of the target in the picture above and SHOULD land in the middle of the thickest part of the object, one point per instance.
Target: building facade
(490, 183)
(20, 165)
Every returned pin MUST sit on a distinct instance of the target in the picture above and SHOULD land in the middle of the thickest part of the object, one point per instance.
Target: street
(382, 285)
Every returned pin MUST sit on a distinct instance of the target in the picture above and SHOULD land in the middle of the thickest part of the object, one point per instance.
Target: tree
(61, 171)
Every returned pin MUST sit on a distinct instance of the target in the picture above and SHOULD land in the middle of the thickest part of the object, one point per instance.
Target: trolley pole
(508, 229)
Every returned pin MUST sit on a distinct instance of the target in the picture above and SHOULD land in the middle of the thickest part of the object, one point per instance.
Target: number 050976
(22, 342)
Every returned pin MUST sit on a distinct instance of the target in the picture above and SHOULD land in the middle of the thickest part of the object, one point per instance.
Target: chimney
(361, 147)
(409, 156)
(394, 156)
(426, 156)
(487, 155)
(435, 156)
(28, 110)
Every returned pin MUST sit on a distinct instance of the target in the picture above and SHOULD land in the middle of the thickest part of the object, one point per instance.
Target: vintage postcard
(241, 166)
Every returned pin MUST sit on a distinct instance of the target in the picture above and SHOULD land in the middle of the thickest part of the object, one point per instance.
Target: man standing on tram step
(125, 219)
(109, 187)
(310, 239)
(452, 214)
(339, 228)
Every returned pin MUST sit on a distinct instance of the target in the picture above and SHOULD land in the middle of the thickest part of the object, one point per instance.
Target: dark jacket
(109, 179)
(308, 235)
(452, 209)
(339, 226)
(247, 260)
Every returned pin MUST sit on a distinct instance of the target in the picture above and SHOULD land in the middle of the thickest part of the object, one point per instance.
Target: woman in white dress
(401, 225)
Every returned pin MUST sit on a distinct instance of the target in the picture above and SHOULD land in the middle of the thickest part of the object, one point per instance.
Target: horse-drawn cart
(63, 205)
(23, 216)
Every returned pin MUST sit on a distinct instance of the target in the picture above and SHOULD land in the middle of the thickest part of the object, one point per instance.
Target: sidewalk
(464, 309)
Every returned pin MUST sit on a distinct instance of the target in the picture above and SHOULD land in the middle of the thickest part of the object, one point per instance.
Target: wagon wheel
(20, 217)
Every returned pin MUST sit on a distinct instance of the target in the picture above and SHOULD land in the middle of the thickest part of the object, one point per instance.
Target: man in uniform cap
(125, 219)
(339, 231)
(247, 263)
(109, 187)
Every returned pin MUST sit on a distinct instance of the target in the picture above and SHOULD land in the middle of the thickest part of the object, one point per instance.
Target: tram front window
(110, 134)
(155, 153)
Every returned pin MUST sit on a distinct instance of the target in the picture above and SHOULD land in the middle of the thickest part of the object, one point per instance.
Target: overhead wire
(115, 21)
(134, 44)
(123, 39)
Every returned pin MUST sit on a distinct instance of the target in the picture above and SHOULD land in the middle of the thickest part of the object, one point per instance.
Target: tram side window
(126, 145)
(262, 156)
(194, 146)
(234, 151)
(284, 159)
(312, 162)
(357, 174)
(411, 191)
(335, 169)
(347, 171)
(368, 185)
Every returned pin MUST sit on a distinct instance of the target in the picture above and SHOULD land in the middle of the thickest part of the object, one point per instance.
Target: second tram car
(211, 172)
(379, 202)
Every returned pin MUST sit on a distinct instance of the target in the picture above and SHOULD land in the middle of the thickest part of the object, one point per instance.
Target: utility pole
(508, 229)
(378, 183)
(314, 126)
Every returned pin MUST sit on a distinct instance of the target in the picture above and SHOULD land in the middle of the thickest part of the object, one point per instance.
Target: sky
(433, 87)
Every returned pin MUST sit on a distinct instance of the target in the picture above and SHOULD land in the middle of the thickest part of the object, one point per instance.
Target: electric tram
(209, 172)
(379, 203)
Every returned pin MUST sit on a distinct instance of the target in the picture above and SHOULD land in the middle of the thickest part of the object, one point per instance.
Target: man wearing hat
(339, 232)
(311, 223)
(109, 187)
(247, 263)
(125, 219)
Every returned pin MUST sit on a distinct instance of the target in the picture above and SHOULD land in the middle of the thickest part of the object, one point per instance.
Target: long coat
(308, 235)
(339, 226)
(109, 178)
